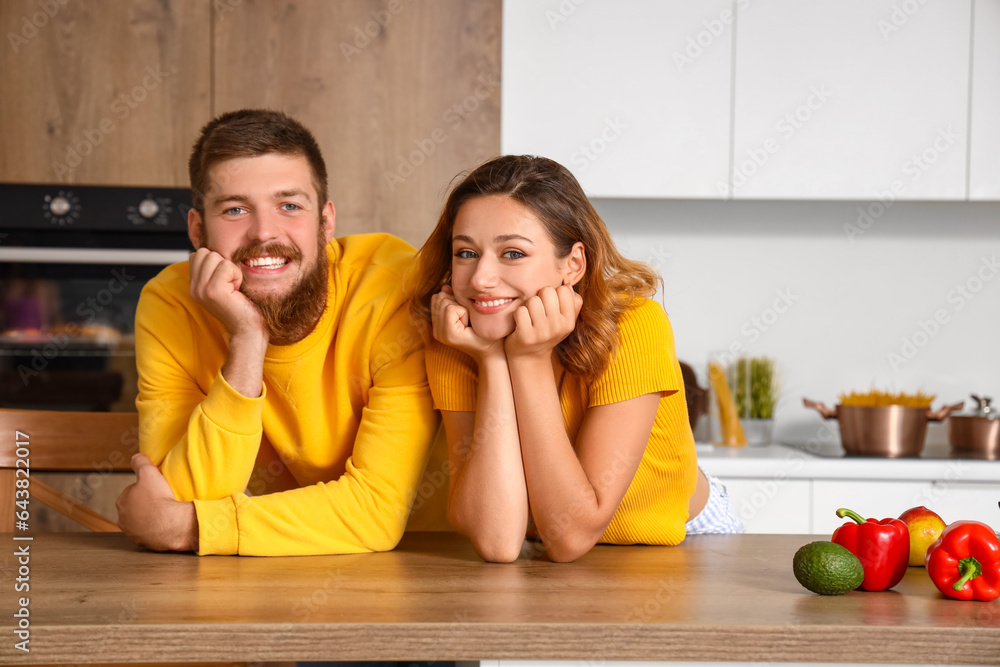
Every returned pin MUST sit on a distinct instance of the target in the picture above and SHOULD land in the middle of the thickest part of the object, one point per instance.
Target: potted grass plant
(754, 385)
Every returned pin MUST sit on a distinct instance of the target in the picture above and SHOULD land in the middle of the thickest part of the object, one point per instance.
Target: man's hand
(149, 515)
(543, 322)
(215, 285)
(450, 324)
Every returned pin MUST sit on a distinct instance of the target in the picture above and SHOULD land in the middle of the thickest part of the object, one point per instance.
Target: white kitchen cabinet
(633, 98)
(781, 489)
(853, 99)
(951, 500)
(772, 504)
(984, 147)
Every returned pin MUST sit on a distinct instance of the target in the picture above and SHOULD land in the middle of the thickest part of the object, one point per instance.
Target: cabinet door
(770, 505)
(952, 500)
(984, 147)
(102, 92)
(633, 98)
(851, 99)
(401, 96)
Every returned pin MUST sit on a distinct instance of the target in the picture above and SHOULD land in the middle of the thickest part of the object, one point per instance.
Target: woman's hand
(450, 325)
(543, 322)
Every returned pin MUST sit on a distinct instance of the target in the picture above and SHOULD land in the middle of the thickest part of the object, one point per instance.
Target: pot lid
(980, 408)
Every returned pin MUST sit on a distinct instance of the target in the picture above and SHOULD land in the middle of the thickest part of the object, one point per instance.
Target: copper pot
(888, 431)
(977, 432)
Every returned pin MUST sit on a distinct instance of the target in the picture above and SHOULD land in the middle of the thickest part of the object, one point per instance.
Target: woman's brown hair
(610, 282)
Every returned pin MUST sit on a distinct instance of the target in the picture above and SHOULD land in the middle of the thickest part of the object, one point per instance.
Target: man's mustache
(276, 249)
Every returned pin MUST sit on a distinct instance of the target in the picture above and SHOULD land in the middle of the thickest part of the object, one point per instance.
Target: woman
(555, 374)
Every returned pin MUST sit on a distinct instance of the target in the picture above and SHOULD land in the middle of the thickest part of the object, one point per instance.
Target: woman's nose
(485, 275)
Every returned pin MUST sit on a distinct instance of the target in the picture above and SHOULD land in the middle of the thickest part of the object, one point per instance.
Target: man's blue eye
(232, 211)
(295, 207)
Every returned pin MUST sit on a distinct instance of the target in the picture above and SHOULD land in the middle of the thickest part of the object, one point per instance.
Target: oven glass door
(67, 336)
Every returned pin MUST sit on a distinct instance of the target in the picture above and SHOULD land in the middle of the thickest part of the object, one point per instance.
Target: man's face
(262, 214)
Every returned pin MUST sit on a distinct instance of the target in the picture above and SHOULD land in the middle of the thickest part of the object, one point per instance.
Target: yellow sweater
(655, 507)
(327, 460)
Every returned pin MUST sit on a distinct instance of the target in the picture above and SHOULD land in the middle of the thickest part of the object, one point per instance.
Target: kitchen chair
(51, 441)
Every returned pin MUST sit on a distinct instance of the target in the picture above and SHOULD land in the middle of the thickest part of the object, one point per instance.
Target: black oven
(73, 260)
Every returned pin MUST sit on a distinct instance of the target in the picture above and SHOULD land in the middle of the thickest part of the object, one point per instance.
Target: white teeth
(496, 302)
(267, 262)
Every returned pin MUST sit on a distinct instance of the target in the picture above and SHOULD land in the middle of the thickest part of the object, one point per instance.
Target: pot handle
(827, 413)
(941, 413)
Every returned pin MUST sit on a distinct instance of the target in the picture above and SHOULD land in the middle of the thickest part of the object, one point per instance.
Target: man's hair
(250, 133)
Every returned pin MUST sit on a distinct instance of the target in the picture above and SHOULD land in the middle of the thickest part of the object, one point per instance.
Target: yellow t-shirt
(655, 507)
(328, 459)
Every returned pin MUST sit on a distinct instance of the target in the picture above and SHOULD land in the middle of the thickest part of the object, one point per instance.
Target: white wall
(848, 305)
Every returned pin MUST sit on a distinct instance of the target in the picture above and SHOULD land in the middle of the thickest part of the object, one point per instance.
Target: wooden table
(97, 598)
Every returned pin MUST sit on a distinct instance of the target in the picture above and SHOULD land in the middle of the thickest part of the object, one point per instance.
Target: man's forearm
(244, 368)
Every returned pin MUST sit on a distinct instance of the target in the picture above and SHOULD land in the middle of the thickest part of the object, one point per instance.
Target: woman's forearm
(488, 500)
(564, 503)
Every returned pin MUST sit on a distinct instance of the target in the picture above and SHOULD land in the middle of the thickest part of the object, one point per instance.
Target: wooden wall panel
(401, 95)
(102, 91)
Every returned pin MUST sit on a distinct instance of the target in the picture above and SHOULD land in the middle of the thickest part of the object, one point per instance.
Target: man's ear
(576, 264)
(329, 215)
(196, 229)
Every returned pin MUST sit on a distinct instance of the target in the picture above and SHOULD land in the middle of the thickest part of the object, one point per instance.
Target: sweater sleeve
(366, 508)
(644, 362)
(453, 377)
(200, 432)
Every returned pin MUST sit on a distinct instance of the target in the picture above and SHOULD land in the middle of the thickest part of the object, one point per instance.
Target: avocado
(827, 568)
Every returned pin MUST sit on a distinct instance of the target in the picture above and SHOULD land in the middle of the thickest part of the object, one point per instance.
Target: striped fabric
(718, 515)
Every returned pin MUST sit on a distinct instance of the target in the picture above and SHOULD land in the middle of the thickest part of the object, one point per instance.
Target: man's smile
(267, 262)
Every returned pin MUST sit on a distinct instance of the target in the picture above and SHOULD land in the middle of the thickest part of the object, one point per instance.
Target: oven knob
(148, 208)
(59, 206)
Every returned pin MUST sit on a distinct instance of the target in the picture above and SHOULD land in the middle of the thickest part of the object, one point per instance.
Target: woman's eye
(290, 207)
(513, 254)
(465, 254)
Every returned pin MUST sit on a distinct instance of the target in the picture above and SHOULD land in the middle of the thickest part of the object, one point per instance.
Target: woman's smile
(489, 306)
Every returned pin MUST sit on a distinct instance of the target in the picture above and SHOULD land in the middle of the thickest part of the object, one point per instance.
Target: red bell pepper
(883, 547)
(964, 563)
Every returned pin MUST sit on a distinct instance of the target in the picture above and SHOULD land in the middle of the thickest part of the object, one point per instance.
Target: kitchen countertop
(796, 463)
(714, 598)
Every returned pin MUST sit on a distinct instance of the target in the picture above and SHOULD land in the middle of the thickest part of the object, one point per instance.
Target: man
(283, 402)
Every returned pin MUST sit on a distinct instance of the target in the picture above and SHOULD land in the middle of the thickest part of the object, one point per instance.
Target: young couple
(553, 371)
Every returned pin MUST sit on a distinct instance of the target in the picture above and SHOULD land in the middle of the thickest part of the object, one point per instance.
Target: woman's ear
(576, 265)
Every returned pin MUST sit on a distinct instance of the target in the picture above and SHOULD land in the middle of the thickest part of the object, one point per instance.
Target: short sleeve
(453, 377)
(645, 362)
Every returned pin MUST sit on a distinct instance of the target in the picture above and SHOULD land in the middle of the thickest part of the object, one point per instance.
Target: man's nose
(264, 226)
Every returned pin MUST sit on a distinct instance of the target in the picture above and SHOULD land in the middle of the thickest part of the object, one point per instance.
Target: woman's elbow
(488, 545)
(496, 550)
(567, 548)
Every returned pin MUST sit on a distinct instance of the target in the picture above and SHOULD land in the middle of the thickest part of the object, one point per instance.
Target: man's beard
(289, 317)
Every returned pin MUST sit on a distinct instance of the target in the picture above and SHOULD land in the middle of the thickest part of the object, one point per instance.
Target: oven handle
(92, 256)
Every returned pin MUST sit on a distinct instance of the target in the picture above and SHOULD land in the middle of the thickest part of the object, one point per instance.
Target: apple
(925, 526)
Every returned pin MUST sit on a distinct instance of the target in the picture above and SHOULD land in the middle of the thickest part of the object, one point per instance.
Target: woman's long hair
(609, 284)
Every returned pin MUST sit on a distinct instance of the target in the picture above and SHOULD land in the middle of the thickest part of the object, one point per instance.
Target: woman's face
(501, 257)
